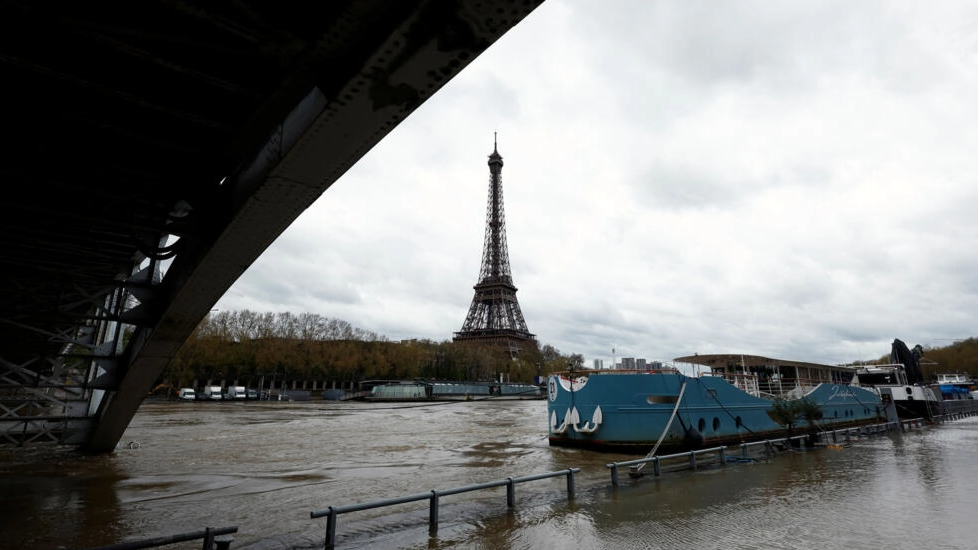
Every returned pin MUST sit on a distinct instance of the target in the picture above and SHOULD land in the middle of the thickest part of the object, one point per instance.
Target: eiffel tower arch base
(512, 341)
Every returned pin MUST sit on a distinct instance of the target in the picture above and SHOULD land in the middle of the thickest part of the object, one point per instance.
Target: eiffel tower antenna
(494, 315)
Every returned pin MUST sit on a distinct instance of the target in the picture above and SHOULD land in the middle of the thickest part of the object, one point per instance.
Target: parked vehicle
(235, 393)
(212, 392)
(187, 394)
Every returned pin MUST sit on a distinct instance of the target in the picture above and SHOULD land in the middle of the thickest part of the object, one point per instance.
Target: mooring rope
(638, 468)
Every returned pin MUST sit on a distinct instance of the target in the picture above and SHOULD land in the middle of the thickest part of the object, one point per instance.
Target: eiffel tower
(494, 316)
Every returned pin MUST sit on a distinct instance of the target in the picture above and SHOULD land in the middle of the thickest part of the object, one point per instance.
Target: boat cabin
(768, 377)
(882, 375)
(953, 378)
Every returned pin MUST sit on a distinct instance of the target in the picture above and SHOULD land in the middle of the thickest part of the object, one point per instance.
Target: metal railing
(655, 460)
(954, 415)
(769, 447)
(208, 535)
(433, 496)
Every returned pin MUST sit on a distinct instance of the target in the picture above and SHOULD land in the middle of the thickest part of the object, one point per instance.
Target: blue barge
(739, 398)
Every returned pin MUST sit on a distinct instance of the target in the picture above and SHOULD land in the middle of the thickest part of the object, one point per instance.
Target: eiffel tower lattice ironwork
(495, 316)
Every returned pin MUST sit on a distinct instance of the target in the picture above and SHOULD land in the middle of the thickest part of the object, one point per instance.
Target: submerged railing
(209, 535)
(433, 496)
(768, 444)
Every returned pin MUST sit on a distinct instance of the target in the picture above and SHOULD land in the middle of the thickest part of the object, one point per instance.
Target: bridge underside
(156, 149)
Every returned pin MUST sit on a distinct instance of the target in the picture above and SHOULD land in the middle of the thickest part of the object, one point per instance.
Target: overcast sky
(790, 179)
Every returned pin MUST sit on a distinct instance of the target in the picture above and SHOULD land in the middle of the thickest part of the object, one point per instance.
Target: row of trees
(248, 347)
(245, 347)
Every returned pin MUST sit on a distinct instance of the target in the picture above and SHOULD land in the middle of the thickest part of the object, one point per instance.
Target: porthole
(716, 424)
(700, 425)
(737, 421)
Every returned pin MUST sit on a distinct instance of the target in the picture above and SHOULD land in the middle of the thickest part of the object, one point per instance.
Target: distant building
(598, 364)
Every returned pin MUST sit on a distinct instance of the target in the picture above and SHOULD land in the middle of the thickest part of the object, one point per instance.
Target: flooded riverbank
(264, 466)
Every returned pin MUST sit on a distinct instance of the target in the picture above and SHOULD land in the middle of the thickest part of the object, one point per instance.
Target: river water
(264, 466)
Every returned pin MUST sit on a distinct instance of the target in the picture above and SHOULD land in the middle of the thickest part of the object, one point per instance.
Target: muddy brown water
(264, 466)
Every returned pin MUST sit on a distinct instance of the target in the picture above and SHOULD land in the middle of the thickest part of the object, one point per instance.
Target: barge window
(661, 399)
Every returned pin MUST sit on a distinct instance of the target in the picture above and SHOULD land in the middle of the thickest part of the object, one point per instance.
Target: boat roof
(721, 360)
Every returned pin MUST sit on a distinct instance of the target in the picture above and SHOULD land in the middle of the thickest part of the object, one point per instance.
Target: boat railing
(433, 496)
(586, 372)
(770, 387)
(744, 381)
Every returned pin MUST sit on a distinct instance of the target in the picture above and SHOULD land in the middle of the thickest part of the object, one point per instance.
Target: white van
(212, 392)
(235, 392)
(187, 394)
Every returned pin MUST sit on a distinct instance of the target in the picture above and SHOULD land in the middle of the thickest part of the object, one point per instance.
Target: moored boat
(891, 382)
(741, 398)
(956, 386)
(958, 393)
(426, 390)
(901, 382)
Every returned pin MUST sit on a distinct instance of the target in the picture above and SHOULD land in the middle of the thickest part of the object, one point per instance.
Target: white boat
(901, 382)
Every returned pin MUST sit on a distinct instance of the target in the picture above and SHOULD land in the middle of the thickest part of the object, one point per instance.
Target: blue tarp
(953, 392)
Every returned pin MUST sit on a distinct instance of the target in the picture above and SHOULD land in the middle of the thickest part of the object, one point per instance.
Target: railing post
(744, 450)
(433, 506)
(615, 474)
(331, 529)
(208, 539)
(656, 470)
(693, 461)
(433, 513)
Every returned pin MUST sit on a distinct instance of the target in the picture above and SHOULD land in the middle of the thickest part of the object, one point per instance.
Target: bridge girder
(161, 148)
